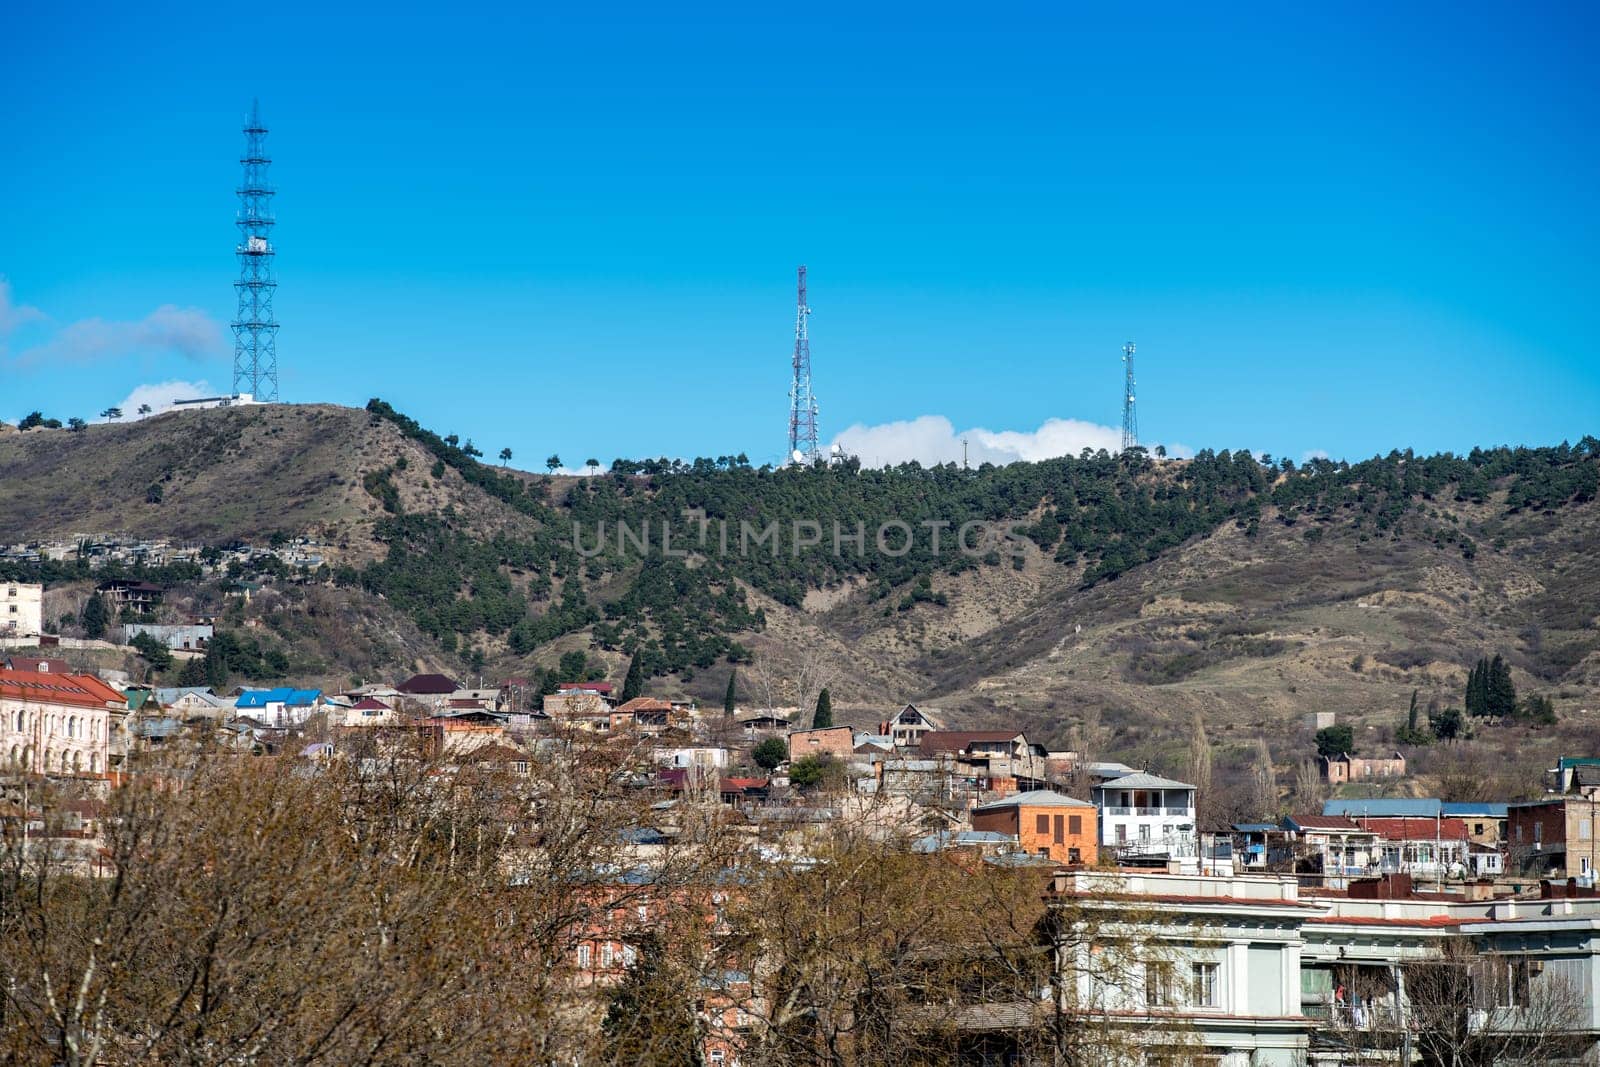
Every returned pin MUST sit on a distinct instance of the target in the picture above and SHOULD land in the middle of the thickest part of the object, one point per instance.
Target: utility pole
(963, 453)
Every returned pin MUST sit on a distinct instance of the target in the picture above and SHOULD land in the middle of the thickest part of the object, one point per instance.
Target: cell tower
(803, 447)
(1130, 417)
(255, 332)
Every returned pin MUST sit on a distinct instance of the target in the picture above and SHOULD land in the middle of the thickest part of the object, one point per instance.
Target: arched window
(77, 762)
(72, 726)
(94, 763)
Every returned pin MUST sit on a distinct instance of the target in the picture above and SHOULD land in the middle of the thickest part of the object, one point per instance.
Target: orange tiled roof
(78, 690)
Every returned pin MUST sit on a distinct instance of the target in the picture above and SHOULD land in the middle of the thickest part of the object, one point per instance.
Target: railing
(1175, 813)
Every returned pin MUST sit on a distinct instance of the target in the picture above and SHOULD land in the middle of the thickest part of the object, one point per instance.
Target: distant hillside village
(1311, 919)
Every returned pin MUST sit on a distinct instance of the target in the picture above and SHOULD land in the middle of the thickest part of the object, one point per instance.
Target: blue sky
(1331, 231)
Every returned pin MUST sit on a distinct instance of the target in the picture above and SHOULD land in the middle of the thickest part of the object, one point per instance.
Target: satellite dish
(838, 450)
(799, 456)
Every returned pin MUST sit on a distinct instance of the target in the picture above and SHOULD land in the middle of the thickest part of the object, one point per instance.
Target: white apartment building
(21, 609)
(1145, 816)
(1221, 981)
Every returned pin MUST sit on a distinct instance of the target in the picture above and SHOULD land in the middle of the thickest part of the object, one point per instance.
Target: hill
(1125, 589)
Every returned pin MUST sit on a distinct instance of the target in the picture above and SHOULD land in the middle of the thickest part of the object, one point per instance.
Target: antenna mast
(803, 447)
(255, 332)
(1130, 417)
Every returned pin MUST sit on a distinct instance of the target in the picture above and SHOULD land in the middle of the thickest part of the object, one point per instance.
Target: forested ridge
(1102, 514)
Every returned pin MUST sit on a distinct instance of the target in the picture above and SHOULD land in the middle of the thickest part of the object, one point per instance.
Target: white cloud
(186, 332)
(160, 395)
(1315, 453)
(13, 315)
(931, 439)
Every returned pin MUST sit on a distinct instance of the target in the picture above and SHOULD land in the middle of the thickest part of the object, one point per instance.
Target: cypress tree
(95, 618)
(1476, 689)
(824, 716)
(730, 698)
(1502, 694)
(633, 684)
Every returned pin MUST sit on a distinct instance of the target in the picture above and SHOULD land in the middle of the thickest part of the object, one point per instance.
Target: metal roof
(1035, 798)
(1144, 781)
(1385, 807)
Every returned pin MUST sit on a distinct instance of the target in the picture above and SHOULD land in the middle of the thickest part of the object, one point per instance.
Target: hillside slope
(1137, 593)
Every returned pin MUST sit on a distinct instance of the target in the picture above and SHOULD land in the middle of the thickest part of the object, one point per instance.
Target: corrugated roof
(1034, 798)
(1144, 781)
(1383, 807)
(1468, 808)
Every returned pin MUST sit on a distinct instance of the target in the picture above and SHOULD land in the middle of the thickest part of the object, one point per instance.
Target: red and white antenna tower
(803, 447)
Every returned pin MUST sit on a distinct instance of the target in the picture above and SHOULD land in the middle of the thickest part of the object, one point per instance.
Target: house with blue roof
(279, 707)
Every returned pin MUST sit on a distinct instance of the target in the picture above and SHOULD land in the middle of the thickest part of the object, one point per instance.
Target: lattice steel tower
(803, 447)
(255, 331)
(1130, 417)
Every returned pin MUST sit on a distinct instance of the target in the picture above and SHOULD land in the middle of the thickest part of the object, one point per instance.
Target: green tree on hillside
(1490, 691)
(553, 463)
(111, 414)
(153, 650)
(770, 754)
(505, 456)
(731, 697)
(824, 713)
(95, 617)
(1448, 726)
(1335, 740)
(1411, 733)
(633, 681)
(76, 425)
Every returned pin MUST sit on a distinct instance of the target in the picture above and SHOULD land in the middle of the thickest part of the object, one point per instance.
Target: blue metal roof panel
(1384, 808)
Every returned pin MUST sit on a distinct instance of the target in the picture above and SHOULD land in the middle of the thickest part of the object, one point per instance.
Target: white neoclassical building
(60, 724)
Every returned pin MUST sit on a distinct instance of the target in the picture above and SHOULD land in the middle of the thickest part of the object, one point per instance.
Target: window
(1157, 984)
(1203, 983)
(607, 956)
(1041, 825)
(1060, 835)
(1075, 824)
(1585, 829)
(1073, 856)
(583, 957)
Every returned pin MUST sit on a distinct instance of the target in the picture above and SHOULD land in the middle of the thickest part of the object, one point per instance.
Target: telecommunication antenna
(1130, 417)
(803, 446)
(255, 331)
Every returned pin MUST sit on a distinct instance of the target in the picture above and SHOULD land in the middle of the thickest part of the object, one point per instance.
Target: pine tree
(824, 716)
(633, 683)
(649, 1017)
(730, 698)
(95, 618)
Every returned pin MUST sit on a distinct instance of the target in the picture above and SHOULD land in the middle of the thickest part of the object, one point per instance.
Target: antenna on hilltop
(1130, 417)
(803, 446)
(255, 331)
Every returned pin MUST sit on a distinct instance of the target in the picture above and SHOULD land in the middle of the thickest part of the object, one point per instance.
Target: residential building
(21, 609)
(1334, 846)
(428, 685)
(1146, 818)
(368, 711)
(186, 638)
(36, 664)
(1224, 973)
(131, 595)
(837, 742)
(59, 724)
(1044, 822)
(1337, 770)
(909, 724)
(1555, 837)
(987, 761)
(280, 707)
